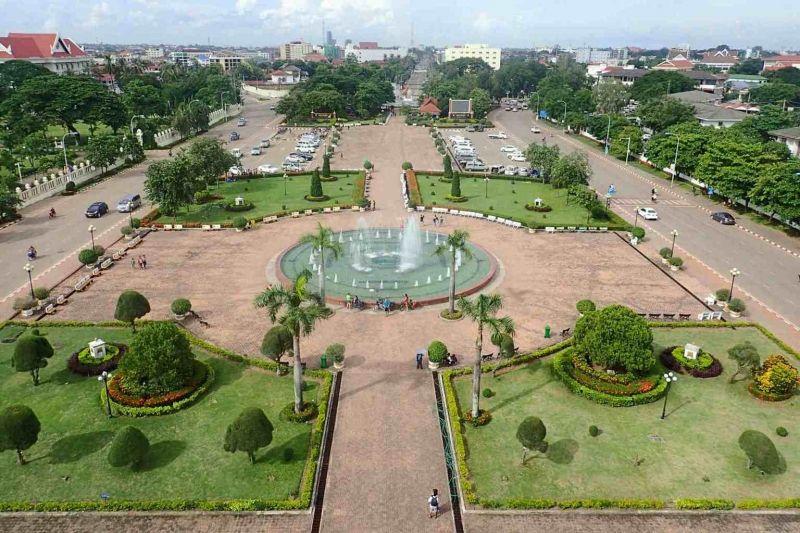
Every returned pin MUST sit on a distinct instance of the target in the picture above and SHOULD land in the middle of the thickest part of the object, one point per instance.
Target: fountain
(395, 285)
(341, 237)
(354, 282)
(429, 280)
(410, 246)
(448, 272)
(336, 278)
(416, 283)
(427, 236)
(381, 284)
(439, 278)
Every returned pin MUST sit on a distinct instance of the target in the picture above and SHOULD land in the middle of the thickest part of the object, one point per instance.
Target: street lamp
(486, 181)
(28, 268)
(628, 151)
(91, 232)
(734, 272)
(674, 234)
(19, 170)
(636, 218)
(565, 109)
(608, 132)
(222, 102)
(670, 378)
(675, 163)
(537, 105)
(64, 146)
(103, 378)
(285, 177)
(134, 117)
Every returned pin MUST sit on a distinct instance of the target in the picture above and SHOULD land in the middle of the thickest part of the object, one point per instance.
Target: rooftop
(38, 45)
(714, 113)
(696, 97)
(788, 133)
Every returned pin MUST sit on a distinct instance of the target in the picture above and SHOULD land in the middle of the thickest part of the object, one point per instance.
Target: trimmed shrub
(676, 261)
(335, 352)
(19, 430)
(585, 306)
(368, 164)
(487, 393)
(594, 431)
(41, 293)
(736, 305)
(130, 306)
(31, 353)
(88, 256)
(24, 303)
(665, 252)
(126, 230)
(406, 165)
(239, 223)
(777, 377)
(326, 166)
(308, 412)
(136, 223)
(181, 306)
(316, 185)
(722, 295)
(761, 452)
(638, 233)
(82, 363)
(781, 431)
(437, 351)
(615, 337)
(129, 447)
(455, 186)
(277, 342)
(250, 431)
(531, 433)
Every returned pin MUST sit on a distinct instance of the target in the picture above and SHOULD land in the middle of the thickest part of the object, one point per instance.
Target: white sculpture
(97, 348)
(691, 351)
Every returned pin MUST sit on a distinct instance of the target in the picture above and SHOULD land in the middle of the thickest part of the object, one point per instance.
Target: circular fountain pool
(388, 263)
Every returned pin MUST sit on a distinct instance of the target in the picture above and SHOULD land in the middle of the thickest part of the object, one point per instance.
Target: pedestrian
(341, 155)
(420, 355)
(441, 221)
(435, 220)
(133, 263)
(144, 262)
(139, 261)
(373, 205)
(421, 220)
(433, 504)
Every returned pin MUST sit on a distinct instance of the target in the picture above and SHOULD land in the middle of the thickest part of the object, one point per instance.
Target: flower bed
(84, 364)
(309, 411)
(767, 396)
(233, 207)
(708, 368)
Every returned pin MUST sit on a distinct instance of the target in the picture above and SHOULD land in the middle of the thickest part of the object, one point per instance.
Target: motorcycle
(31, 255)
(52, 213)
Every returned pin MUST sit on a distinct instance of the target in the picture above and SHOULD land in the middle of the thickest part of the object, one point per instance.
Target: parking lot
(281, 145)
(488, 149)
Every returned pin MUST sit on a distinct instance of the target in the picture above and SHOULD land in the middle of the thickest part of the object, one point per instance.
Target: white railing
(171, 135)
(47, 186)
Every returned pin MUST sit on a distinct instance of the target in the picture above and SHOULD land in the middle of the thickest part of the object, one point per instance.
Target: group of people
(450, 360)
(352, 301)
(437, 220)
(140, 261)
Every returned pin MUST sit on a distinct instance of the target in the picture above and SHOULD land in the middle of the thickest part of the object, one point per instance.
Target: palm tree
(483, 310)
(320, 241)
(455, 242)
(301, 311)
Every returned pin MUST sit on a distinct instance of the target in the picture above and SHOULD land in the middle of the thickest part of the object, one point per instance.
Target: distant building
(592, 55)
(226, 60)
(744, 82)
(287, 76)
(370, 52)
(721, 59)
(57, 54)
(491, 56)
(707, 109)
(315, 57)
(675, 64)
(187, 57)
(154, 53)
(295, 50)
(110, 83)
(782, 61)
(705, 81)
(790, 137)
(430, 106)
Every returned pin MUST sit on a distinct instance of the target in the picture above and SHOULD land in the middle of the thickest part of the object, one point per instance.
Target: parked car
(535, 130)
(294, 159)
(255, 150)
(518, 158)
(268, 169)
(237, 152)
(304, 149)
(96, 210)
(292, 167)
(496, 169)
(510, 170)
(509, 149)
(508, 108)
(235, 170)
(723, 217)
(476, 165)
(647, 213)
(498, 135)
(234, 136)
(303, 155)
(242, 121)
(264, 143)
(129, 203)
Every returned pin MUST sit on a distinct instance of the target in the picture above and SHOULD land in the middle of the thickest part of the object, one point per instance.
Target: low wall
(171, 135)
(47, 186)
(278, 91)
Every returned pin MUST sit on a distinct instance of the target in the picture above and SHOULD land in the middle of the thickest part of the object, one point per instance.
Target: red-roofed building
(315, 57)
(779, 62)
(57, 54)
(722, 59)
(430, 106)
(675, 64)
(369, 45)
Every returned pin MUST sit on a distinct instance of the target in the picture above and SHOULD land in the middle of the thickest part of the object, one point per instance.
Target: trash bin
(323, 361)
(546, 331)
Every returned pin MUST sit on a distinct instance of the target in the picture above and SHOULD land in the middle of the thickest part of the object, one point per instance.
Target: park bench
(716, 315)
(270, 219)
(61, 299)
(117, 255)
(50, 309)
(83, 283)
(420, 208)
(439, 210)
(337, 209)
(643, 315)
(295, 214)
(581, 230)
(354, 208)
(326, 210)
(654, 316)
(668, 316)
(215, 227)
(178, 227)
(684, 316)
(167, 227)
(206, 227)
(106, 263)
(479, 215)
(491, 218)
(95, 272)
(565, 333)
(361, 209)
(571, 228)
(550, 229)
(487, 357)
(603, 229)
(309, 212)
(560, 228)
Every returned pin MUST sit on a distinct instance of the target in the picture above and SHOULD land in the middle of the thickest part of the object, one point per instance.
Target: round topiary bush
(447, 315)
(487, 393)
(761, 452)
(615, 338)
(129, 447)
(308, 412)
(335, 352)
(483, 418)
(638, 233)
(594, 431)
(781, 431)
(437, 351)
(531, 433)
(722, 295)
(41, 293)
(736, 305)
(88, 256)
(665, 252)
(181, 306)
(676, 262)
(136, 223)
(323, 198)
(585, 306)
(240, 223)
(126, 230)
(407, 165)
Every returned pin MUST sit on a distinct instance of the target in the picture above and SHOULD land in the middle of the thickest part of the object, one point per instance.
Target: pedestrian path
(647, 202)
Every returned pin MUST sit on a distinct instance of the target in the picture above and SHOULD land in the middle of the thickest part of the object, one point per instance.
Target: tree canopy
(160, 360)
(19, 429)
(129, 447)
(250, 431)
(658, 83)
(616, 338)
(31, 353)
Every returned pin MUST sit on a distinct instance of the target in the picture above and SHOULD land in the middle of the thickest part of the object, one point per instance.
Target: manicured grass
(267, 193)
(83, 129)
(698, 438)
(186, 459)
(507, 199)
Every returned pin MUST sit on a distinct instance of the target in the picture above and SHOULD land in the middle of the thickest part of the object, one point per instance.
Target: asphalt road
(768, 272)
(59, 240)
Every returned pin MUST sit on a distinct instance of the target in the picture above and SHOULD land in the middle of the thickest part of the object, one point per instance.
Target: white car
(510, 149)
(268, 169)
(647, 213)
(292, 167)
(535, 130)
(255, 150)
(510, 171)
(294, 159)
(498, 135)
(235, 171)
(306, 149)
(518, 158)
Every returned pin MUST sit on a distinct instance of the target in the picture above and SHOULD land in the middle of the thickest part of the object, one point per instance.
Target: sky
(503, 23)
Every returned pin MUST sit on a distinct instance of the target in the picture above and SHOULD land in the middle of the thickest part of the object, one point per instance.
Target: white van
(476, 165)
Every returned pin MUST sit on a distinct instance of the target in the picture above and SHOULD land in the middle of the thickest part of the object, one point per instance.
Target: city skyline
(269, 23)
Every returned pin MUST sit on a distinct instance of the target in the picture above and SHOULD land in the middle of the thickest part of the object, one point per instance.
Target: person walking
(144, 262)
(421, 220)
(133, 263)
(420, 355)
(433, 504)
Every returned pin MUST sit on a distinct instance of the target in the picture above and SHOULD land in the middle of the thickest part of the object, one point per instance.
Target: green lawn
(83, 129)
(697, 440)
(267, 193)
(186, 458)
(507, 199)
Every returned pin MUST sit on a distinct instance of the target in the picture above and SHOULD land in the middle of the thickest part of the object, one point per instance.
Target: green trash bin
(547, 331)
(323, 362)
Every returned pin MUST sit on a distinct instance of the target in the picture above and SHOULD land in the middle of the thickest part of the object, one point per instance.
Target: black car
(723, 218)
(96, 210)
(307, 157)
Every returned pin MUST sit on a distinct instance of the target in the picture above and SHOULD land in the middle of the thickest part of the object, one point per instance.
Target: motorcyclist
(52, 212)
(31, 252)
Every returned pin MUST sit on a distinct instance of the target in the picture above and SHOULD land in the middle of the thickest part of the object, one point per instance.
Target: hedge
(415, 196)
(153, 505)
(694, 504)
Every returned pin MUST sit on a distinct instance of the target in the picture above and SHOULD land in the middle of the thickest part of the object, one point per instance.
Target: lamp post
(285, 177)
(628, 151)
(636, 218)
(64, 146)
(134, 117)
(674, 234)
(565, 110)
(29, 268)
(91, 232)
(675, 162)
(608, 132)
(537, 105)
(734, 272)
(222, 102)
(103, 378)
(19, 170)
(670, 378)
(486, 181)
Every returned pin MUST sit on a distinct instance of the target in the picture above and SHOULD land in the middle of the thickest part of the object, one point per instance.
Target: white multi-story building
(608, 56)
(188, 56)
(57, 54)
(295, 50)
(367, 52)
(491, 56)
(154, 53)
(226, 60)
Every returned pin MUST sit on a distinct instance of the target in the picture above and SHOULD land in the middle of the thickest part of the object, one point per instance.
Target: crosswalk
(638, 202)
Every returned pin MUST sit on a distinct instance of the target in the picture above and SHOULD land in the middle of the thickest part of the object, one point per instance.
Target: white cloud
(483, 22)
(308, 14)
(245, 6)
(98, 16)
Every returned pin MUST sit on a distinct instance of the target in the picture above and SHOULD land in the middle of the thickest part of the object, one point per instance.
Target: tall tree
(610, 97)
(31, 354)
(316, 185)
(455, 186)
(777, 190)
(785, 75)
(571, 169)
(320, 241)
(543, 158)
(103, 150)
(169, 183)
(448, 167)
(455, 243)
(689, 138)
(481, 102)
(483, 311)
(19, 430)
(661, 113)
(250, 431)
(625, 137)
(208, 160)
(301, 311)
(658, 83)
(130, 306)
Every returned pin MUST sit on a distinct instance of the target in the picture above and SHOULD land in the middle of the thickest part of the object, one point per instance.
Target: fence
(45, 186)
(171, 135)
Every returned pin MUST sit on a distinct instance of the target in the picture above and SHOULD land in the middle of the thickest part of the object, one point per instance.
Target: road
(59, 240)
(769, 272)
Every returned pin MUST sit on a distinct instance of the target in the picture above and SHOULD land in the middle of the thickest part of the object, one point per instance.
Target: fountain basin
(388, 263)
